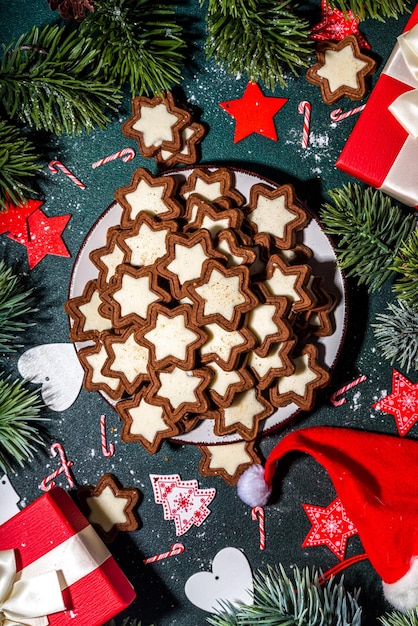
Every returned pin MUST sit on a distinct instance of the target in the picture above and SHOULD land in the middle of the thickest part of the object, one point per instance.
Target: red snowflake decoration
(335, 26)
(402, 403)
(182, 500)
(330, 527)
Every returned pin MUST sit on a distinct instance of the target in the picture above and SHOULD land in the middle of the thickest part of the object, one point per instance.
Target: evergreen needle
(18, 162)
(376, 9)
(406, 264)
(305, 600)
(16, 302)
(396, 333)
(370, 231)
(52, 80)
(396, 618)
(259, 38)
(139, 42)
(19, 431)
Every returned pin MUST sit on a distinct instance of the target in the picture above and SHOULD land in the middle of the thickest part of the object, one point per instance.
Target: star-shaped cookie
(341, 70)
(109, 507)
(228, 460)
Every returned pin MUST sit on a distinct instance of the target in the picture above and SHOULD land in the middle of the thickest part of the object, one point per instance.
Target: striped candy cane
(54, 166)
(257, 512)
(107, 450)
(337, 114)
(336, 400)
(127, 154)
(305, 108)
(176, 548)
(49, 481)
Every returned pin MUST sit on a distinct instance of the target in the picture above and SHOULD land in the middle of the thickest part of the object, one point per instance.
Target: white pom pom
(403, 594)
(252, 488)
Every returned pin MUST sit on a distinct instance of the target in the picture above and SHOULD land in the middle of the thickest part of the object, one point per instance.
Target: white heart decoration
(8, 498)
(57, 368)
(231, 580)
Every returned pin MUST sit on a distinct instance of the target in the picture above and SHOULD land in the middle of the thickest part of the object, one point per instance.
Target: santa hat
(376, 478)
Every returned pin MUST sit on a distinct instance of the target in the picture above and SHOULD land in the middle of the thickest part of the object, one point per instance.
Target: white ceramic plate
(323, 264)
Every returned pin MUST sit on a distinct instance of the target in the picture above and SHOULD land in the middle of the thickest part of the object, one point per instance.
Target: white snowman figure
(9, 499)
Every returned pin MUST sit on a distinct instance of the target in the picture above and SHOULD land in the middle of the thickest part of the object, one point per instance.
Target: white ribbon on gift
(405, 107)
(70, 561)
(27, 602)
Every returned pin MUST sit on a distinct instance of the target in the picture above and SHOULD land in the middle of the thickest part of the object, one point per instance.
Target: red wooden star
(14, 219)
(254, 113)
(44, 237)
(330, 527)
(402, 403)
(335, 26)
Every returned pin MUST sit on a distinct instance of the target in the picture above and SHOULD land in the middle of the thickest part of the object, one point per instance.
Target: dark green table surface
(160, 587)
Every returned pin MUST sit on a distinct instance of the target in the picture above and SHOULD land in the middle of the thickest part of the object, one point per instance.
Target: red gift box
(380, 151)
(55, 548)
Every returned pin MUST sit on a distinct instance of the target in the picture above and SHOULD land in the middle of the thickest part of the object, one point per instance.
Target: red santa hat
(376, 478)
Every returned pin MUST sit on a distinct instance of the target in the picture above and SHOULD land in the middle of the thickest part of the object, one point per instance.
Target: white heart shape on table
(231, 580)
(57, 368)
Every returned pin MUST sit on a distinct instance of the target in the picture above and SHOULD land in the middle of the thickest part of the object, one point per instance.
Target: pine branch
(19, 431)
(18, 162)
(396, 333)
(376, 9)
(139, 41)
(52, 80)
(260, 38)
(15, 303)
(396, 618)
(406, 264)
(370, 230)
(303, 601)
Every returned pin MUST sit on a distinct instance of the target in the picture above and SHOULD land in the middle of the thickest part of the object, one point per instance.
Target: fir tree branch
(370, 230)
(18, 162)
(15, 303)
(396, 618)
(303, 601)
(52, 80)
(19, 432)
(259, 39)
(406, 264)
(139, 41)
(376, 9)
(396, 333)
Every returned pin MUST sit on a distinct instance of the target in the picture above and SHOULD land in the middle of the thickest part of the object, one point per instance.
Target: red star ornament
(182, 500)
(336, 26)
(44, 237)
(402, 403)
(14, 219)
(330, 527)
(254, 113)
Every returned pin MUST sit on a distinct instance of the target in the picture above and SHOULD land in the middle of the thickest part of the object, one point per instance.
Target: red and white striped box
(380, 151)
(51, 537)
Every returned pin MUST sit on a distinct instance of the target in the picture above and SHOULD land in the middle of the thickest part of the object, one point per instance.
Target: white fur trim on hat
(252, 488)
(403, 594)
